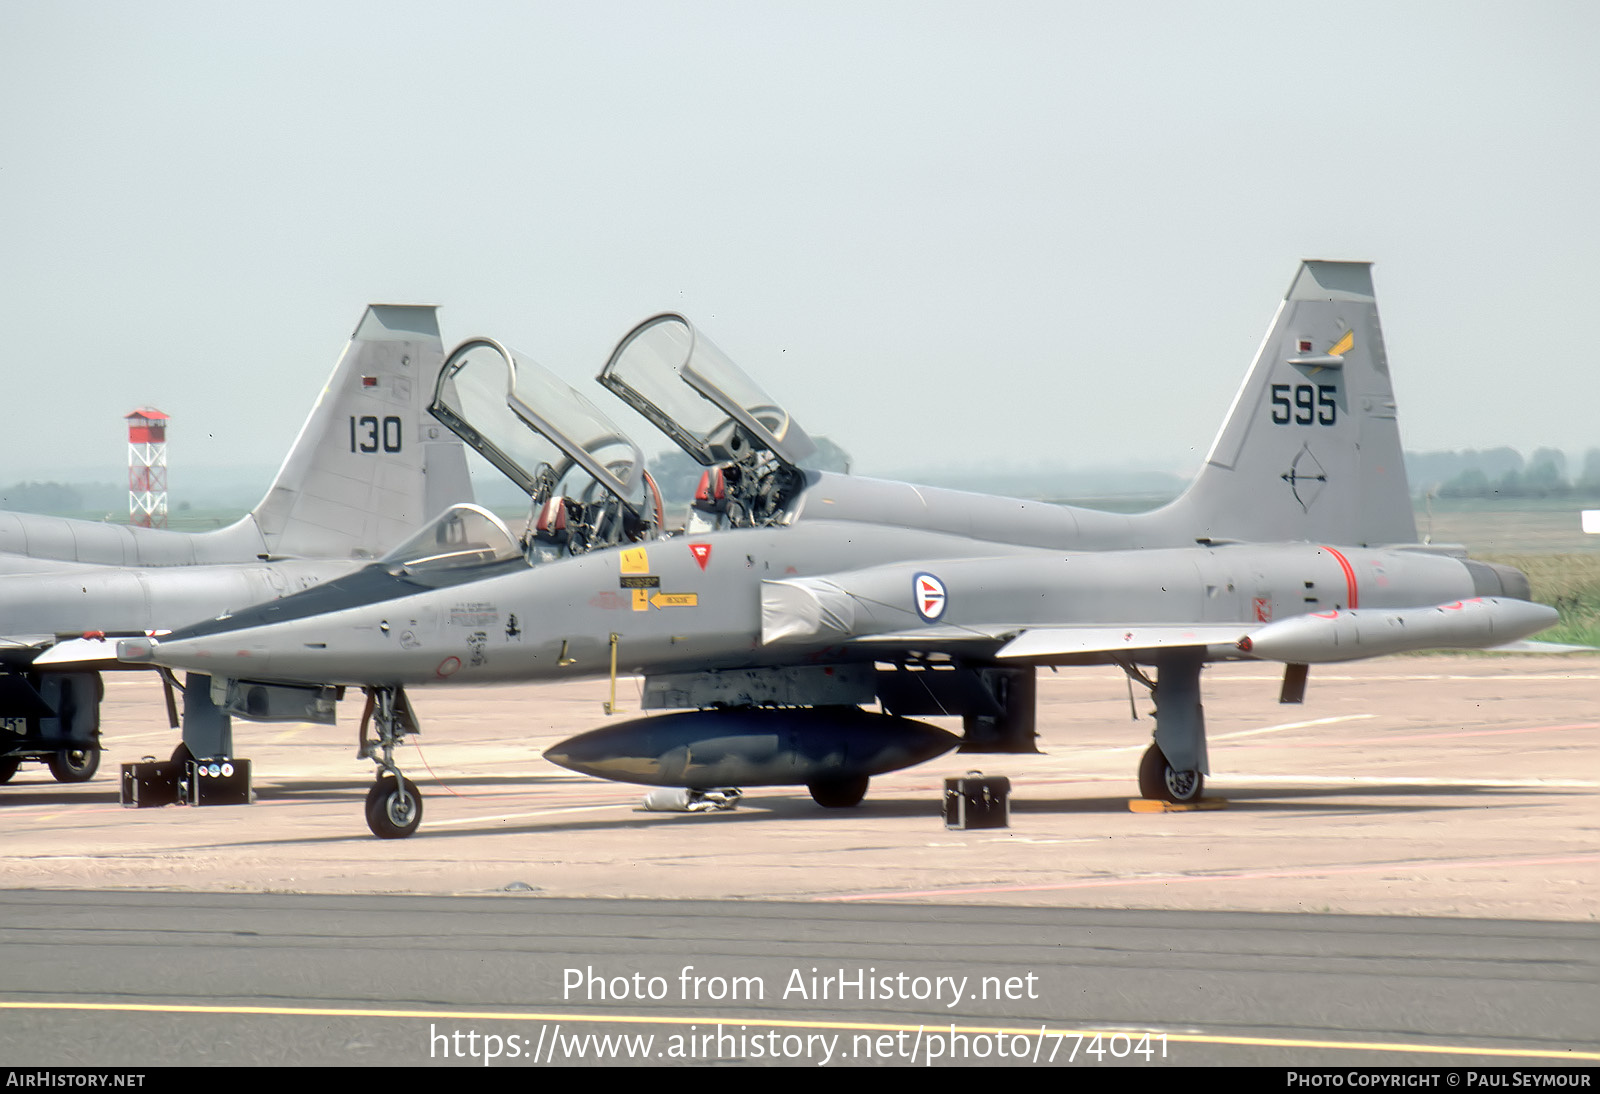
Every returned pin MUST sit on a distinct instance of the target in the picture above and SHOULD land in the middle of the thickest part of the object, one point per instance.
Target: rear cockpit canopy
(693, 392)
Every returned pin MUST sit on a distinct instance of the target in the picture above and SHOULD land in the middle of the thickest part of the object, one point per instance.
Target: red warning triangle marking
(701, 552)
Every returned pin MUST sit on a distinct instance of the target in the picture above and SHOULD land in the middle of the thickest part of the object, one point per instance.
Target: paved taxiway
(233, 979)
(1416, 787)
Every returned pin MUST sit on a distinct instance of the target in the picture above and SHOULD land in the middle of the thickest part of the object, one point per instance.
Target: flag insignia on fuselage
(927, 592)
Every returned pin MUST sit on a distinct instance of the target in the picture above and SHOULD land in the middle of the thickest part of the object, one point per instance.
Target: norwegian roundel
(927, 593)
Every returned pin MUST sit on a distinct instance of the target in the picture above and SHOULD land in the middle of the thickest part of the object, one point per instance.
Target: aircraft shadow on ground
(51, 794)
(799, 806)
(757, 810)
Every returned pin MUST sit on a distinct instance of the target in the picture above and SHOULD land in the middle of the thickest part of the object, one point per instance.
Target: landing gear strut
(1174, 766)
(394, 806)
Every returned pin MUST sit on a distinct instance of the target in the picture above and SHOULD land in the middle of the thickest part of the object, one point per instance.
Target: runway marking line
(1403, 736)
(1487, 677)
(1291, 725)
(865, 1027)
(556, 812)
(1189, 879)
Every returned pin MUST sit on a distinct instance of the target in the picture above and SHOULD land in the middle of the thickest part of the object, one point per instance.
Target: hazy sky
(941, 232)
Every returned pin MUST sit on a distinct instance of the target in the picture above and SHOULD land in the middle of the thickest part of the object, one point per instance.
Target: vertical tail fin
(370, 465)
(1310, 449)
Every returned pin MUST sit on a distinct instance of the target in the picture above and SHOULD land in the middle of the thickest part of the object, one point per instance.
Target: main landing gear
(1159, 781)
(1174, 766)
(839, 793)
(394, 805)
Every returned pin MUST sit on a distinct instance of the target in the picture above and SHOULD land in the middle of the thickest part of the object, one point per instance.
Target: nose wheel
(394, 805)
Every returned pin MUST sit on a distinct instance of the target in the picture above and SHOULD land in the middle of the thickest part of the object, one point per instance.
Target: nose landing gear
(394, 805)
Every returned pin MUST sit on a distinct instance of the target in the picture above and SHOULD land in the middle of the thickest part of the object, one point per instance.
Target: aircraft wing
(1046, 643)
(945, 637)
(46, 651)
(871, 610)
(80, 653)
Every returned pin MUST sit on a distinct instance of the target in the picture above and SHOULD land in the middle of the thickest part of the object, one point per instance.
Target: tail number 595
(1304, 404)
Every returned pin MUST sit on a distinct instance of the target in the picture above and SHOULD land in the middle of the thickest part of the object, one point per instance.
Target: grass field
(1541, 537)
(1570, 583)
(1519, 526)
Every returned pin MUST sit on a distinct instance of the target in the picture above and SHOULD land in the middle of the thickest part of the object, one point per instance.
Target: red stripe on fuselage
(1349, 576)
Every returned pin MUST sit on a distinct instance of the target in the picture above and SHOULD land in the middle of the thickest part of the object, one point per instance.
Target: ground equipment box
(977, 801)
(218, 782)
(150, 783)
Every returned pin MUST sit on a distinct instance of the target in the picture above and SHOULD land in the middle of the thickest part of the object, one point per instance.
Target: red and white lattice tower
(147, 468)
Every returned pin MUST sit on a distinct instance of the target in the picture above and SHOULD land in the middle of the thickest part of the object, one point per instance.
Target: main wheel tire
(1159, 781)
(75, 765)
(8, 768)
(839, 793)
(393, 812)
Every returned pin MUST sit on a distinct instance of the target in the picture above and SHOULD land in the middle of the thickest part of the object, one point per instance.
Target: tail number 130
(368, 434)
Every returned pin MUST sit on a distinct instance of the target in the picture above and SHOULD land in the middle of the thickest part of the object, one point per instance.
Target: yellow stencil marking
(675, 600)
(641, 600)
(635, 561)
(1343, 345)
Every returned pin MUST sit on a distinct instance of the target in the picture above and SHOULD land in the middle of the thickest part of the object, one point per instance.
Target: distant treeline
(678, 475)
(63, 497)
(1489, 473)
(1502, 473)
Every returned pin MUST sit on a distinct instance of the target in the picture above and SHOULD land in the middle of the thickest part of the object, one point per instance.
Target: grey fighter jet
(796, 598)
(368, 469)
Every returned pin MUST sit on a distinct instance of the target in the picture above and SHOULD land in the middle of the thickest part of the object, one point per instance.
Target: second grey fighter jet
(368, 469)
(795, 598)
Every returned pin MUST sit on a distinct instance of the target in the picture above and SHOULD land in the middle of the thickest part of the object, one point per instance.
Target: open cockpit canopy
(532, 426)
(693, 392)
